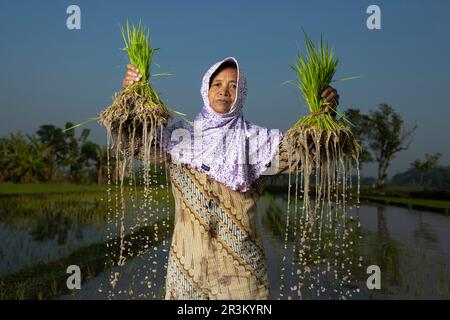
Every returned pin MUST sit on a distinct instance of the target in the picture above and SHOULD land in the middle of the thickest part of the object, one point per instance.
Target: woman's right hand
(131, 75)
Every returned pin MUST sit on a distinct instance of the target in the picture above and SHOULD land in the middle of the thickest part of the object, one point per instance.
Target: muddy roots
(325, 236)
(135, 110)
(326, 153)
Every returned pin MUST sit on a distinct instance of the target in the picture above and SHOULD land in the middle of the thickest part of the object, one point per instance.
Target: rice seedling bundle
(134, 121)
(322, 143)
(323, 146)
(137, 110)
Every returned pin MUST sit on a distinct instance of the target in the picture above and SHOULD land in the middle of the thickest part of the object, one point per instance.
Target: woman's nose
(224, 92)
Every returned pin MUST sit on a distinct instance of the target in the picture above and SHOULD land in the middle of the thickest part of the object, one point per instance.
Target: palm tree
(23, 160)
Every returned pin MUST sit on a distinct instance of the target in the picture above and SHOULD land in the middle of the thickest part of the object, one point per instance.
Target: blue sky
(53, 75)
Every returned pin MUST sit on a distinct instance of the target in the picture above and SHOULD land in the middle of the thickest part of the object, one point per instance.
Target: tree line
(52, 154)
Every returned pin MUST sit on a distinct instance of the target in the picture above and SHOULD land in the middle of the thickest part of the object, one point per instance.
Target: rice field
(41, 234)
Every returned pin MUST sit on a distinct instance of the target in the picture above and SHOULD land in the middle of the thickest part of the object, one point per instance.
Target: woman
(217, 250)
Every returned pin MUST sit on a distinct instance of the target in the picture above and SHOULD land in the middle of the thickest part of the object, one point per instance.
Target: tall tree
(360, 130)
(74, 159)
(425, 166)
(55, 148)
(95, 156)
(387, 136)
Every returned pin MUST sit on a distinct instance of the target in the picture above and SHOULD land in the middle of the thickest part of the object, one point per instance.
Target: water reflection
(44, 228)
(412, 248)
(318, 257)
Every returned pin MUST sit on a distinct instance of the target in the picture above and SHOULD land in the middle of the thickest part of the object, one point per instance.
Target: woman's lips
(223, 101)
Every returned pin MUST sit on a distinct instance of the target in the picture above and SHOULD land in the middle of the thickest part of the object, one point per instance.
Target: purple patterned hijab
(225, 146)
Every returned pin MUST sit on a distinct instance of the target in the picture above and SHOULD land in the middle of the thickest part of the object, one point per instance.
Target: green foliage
(360, 130)
(387, 137)
(428, 204)
(21, 160)
(74, 159)
(425, 166)
(436, 178)
(50, 155)
(54, 148)
(315, 72)
(139, 49)
(140, 53)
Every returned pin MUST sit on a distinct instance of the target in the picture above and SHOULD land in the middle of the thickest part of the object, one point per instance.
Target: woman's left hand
(331, 96)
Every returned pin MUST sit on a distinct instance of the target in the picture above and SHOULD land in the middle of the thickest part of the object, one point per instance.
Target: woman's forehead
(225, 73)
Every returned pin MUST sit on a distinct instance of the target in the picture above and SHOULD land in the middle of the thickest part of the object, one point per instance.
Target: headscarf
(225, 146)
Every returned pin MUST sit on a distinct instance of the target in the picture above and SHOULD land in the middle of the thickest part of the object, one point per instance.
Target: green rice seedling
(54, 286)
(133, 117)
(137, 110)
(322, 140)
(133, 121)
(322, 146)
(20, 292)
(314, 74)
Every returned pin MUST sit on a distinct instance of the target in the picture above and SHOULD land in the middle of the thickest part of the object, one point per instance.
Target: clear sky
(50, 74)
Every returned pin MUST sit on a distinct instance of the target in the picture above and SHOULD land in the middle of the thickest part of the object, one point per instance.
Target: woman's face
(222, 91)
